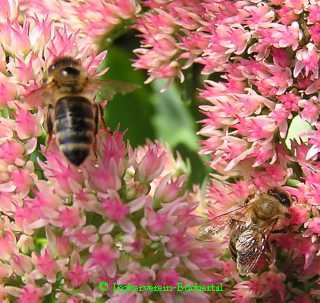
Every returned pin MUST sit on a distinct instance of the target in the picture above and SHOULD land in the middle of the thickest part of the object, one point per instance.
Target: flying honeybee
(72, 113)
(248, 238)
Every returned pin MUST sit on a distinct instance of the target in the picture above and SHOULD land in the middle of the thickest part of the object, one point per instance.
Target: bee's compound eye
(70, 71)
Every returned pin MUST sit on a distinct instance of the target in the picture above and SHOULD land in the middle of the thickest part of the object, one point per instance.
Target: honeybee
(72, 114)
(248, 238)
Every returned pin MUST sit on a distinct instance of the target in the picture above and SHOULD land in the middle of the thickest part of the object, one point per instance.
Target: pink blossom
(299, 215)
(310, 111)
(11, 151)
(314, 225)
(46, 265)
(169, 190)
(287, 15)
(315, 33)
(281, 57)
(78, 275)
(290, 101)
(69, 218)
(83, 237)
(114, 209)
(103, 257)
(22, 180)
(60, 171)
(168, 277)
(307, 59)
(31, 294)
(27, 124)
(63, 246)
(151, 162)
(314, 13)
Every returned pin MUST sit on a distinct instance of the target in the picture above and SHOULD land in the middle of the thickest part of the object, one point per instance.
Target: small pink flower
(11, 151)
(314, 13)
(7, 244)
(179, 244)
(114, 209)
(8, 91)
(77, 275)
(299, 215)
(21, 264)
(27, 124)
(31, 294)
(9, 10)
(168, 277)
(103, 257)
(83, 237)
(46, 265)
(287, 15)
(314, 225)
(242, 293)
(281, 57)
(63, 246)
(307, 59)
(310, 111)
(168, 190)
(69, 218)
(22, 180)
(156, 222)
(234, 39)
(15, 37)
(256, 127)
(151, 163)
(104, 177)
(290, 101)
(280, 116)
(60, 171)
(315, 33)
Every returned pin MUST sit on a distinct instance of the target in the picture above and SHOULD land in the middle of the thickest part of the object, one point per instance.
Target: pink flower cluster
(262, 58)
(122, 218)
(93, 19)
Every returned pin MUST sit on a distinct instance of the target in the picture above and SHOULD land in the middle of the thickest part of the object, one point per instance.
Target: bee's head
(66, 72)
(281, 196)
(273, 204)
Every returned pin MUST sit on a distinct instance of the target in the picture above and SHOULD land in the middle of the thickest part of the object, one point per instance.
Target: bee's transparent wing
(210, 230)
(218, 224)
(106, 89)
(249, 247)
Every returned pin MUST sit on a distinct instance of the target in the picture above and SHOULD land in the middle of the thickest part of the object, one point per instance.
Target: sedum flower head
(262, 63)
(92, 19)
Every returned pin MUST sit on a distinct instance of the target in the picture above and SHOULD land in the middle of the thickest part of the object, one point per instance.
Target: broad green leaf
(132, 112)
(296, 130)
(172, 121)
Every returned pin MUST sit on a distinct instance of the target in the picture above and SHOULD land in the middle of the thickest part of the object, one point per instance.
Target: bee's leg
(101, 119)
(49, 125)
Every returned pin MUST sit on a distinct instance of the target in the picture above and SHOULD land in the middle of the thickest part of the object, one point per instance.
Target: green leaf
(174, 124)
(172, 121)
(297, 128)
(131, 112)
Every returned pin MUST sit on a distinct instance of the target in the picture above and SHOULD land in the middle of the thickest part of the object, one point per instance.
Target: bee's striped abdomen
(74, 127)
